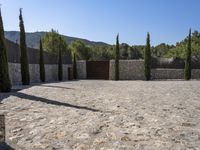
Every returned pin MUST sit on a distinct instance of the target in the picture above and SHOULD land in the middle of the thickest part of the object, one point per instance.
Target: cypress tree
(147, 59)
(24, 57)
(117, 59)
(42, 68)
(5, 84)
(188, 58)
(74, 66)
(60, 67)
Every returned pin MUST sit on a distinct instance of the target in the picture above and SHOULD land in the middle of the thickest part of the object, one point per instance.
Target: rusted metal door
(98, 70)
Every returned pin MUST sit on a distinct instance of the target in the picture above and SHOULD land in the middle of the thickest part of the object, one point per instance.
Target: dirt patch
(104, 115)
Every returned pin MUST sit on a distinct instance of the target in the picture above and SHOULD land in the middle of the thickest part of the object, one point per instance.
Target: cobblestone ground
(101, 115)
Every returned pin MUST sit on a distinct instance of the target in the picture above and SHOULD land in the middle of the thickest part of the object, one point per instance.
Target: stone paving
(102, 115)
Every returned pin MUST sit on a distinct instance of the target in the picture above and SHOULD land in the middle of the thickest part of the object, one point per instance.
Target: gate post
(2, 128)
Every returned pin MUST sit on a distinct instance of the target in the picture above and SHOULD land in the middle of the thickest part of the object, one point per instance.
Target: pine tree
(117, 59)
(5, 84)
(60, 67)
(24, 57)
(147, 59)
(42, 68)
(188, 58)
(74, 66)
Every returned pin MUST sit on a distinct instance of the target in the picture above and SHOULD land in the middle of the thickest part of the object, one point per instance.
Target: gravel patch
(101, 115)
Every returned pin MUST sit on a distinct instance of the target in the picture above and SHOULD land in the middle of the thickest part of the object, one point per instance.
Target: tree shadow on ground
(5, 146)
(52, 102)
(6, 95)
(60, 87)
(44, 100)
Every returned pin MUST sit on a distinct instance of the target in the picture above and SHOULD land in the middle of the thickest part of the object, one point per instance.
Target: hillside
(32, 39)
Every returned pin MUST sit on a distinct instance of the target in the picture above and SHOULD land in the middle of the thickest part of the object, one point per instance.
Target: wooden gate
(98, 70)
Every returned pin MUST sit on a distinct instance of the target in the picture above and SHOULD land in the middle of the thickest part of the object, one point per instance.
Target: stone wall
(159, 74)
(51, 72)
(195, 73)
(128, 70)
(134, 70)
(173, 74)
(81, 69)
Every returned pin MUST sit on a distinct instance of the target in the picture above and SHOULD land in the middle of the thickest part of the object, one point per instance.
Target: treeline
(107, 52)
(51, 43)
(179, 51)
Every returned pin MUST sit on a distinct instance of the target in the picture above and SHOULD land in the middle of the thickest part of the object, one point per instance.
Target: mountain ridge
(33, 38)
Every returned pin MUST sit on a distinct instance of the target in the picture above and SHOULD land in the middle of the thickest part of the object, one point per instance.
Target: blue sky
(100, 20)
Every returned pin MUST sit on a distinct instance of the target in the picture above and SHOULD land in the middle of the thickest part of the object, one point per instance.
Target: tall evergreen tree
(188, 58)
(42, 68)
(147, 59)
(60, 65)
(117, 59)
(74, 66)
(5, 84)
(24, 57)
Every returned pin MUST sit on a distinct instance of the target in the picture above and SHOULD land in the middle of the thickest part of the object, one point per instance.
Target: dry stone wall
(134, 70)
(196, 74)
(128, 70)
(173, 74)
(167, 74)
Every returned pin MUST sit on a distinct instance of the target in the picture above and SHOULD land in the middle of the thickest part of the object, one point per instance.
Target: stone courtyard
(102, 115)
